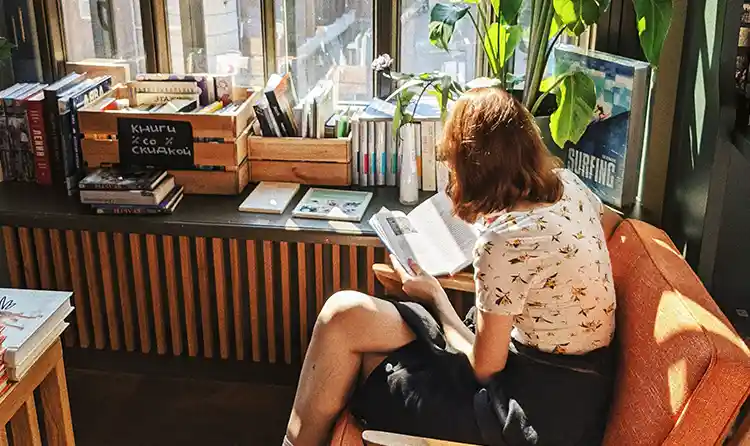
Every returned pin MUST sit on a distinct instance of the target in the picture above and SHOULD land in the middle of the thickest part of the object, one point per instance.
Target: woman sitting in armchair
(532, 363)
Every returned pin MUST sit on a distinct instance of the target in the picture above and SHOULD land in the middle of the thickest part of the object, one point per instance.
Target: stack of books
(130, 191)
(33, 321)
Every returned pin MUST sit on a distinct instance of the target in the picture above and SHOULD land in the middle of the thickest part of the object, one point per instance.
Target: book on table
(29, 317)
(333, 204)
(429, 235)
(130, 197)
(269, 197)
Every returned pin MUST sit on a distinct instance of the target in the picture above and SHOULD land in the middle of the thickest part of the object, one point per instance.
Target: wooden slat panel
(302, 281)
(108, 287)
(268, 282)
(204, 296)
(156, 297)
(29, 260)
(126, 299)
(139, 284)
(252, 287)
(234, 261)
(336, 260)
(56, 408)
(188, 296)
(319, 278)
(97, 320)
(175, 327)
(12, 256)
(221, 297)
(25, 425)
(370, 274)
(62, 279)
(42, 258)
(286, 302)
(353, 271)
(78, 289)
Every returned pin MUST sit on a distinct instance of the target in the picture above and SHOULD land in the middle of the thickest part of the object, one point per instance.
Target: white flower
(382, 63)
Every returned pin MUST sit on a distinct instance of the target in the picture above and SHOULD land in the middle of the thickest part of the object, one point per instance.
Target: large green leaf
(443, 20)
(501, 50)
(653, 18)
(578, 15)
(576, 100)
(509, 9)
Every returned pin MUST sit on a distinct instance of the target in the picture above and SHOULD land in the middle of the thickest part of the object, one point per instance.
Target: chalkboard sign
(155, 143)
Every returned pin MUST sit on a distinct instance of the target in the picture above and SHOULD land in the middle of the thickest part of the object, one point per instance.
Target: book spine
(417, 141)
(364, 156)
(371, 163)
(130, 211)
(380, 151)
(278, 115)
(355, 151)
(265, 128)
(429, 174)
(52, 126)
(26, 155)
(443, 174)
(42, 168)
(66, 149)
(275, 129)
(9, 160)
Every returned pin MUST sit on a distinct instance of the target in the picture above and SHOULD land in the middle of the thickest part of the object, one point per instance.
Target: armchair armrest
(389, 278)
(375, 438)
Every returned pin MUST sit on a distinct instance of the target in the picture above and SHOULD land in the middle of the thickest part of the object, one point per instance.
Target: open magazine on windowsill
(430, 234)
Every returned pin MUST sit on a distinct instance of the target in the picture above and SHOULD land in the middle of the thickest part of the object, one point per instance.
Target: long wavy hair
(496, 156)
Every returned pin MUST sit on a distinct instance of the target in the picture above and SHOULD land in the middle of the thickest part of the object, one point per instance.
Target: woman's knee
(346, 308)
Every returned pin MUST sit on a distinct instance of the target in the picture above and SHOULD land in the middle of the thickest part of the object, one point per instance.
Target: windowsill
(33, 206)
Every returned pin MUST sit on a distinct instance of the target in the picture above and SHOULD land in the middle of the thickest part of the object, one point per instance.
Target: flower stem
(540, 62)
(480, 42)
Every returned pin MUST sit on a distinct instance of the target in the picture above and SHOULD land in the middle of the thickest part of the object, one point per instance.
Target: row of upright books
(115, 191)
(377, 150)
(39, 138)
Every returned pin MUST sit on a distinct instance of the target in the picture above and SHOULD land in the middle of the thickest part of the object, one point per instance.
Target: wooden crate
(227, 149)
(321, 162)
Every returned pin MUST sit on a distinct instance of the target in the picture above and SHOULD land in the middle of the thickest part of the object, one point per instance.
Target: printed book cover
(607, 158)
(122, 179)
(23, 312)
(166, 207)
(332, 204)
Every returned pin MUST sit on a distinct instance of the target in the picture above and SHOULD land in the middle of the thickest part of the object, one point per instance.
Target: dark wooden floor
(135, 409)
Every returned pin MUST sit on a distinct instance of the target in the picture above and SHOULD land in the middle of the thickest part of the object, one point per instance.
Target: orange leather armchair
(683, 371)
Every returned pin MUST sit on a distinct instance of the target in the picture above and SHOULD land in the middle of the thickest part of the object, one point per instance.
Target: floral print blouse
(549, 267)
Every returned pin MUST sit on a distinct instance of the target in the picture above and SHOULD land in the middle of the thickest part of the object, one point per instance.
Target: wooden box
(320, 162)
(219, 144)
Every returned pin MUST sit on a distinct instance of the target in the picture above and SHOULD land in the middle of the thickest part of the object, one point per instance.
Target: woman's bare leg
(350, 325)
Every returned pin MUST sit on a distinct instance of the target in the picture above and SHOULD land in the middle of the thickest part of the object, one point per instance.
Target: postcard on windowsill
(270, 198)
(332, 204)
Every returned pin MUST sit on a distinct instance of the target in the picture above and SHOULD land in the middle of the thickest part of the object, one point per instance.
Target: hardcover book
(332, 204)
(608, 156)
(130, 197)
(167, 206)
(269, 198)
(29, 315)
(122, 179)
(18, 133)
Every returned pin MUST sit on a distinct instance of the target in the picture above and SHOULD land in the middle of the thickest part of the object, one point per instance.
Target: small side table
(17, 406)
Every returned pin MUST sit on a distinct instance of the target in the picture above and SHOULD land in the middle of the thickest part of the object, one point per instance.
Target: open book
(439, 242)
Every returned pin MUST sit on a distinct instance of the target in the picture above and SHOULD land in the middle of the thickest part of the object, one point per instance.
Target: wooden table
(18, 408)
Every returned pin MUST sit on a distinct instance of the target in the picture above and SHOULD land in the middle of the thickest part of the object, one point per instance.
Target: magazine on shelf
(269, 197)
(430, 235)
(333, 204)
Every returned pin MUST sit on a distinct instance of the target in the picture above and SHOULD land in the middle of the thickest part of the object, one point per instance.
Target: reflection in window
(418, 55)
(104, 29)
(217, 36)
(326, 39)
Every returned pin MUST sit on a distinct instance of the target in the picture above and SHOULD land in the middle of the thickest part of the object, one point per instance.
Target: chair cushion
(683, 372)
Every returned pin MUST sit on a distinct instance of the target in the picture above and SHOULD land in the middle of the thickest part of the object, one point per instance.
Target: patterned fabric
(549, 267)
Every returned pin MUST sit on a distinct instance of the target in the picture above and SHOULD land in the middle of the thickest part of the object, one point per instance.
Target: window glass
(418, 55)
(217, 36)
(326, 39)
(104, 29)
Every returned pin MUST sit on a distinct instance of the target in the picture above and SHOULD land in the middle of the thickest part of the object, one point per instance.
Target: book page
(451, 239)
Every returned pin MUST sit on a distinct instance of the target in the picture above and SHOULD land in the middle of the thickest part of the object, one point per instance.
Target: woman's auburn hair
(496, 156)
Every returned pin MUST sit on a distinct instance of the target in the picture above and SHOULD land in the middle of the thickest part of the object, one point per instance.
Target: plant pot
(543, 123)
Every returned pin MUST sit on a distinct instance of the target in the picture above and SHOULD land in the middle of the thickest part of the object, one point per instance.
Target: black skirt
(427, 389)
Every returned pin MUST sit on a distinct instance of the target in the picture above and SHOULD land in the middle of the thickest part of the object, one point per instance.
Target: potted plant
(499, 34)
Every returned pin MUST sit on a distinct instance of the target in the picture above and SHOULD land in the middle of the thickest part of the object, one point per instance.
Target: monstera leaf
(653, 18)
(508, 9)
(578, 15)
(443, 20)
(576, 100)
(500, 42)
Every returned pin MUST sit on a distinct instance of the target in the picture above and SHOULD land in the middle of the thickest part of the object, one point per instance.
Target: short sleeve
(594, 200)
(502, 274)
